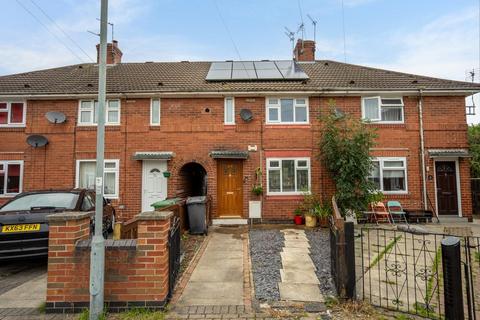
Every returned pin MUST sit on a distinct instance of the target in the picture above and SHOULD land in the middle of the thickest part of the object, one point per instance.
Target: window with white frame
(288, 175)
(155, 112)
(280, 110)
(229, 110)
(86, 176)
(389, 174)
(11, 176)
(87, 114)
(386, 110)
(12, 114)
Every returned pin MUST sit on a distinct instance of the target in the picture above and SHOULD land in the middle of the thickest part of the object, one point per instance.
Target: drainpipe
(422, 149)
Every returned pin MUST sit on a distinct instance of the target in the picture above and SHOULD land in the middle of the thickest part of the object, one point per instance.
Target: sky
(438, 38)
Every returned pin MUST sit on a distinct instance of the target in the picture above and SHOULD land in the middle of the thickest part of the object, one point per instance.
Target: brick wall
(136, 271)
(192, 127)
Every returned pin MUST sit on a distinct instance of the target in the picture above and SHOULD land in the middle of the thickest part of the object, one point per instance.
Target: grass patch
(142, 314)
(382, 253)
(42, 307)
(86, 314)
(431, 279)
(477, 256)
(331, 301)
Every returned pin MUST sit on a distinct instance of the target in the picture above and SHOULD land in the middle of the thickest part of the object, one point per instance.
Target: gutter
(173, 94)
(422, 149)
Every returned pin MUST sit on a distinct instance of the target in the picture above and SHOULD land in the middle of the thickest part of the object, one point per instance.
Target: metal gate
(173, 254)
(403, 271)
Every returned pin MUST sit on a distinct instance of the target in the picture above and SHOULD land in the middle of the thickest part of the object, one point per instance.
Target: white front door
(154, 184)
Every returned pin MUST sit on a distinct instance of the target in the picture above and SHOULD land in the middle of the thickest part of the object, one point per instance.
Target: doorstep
(452, 219)
(222, 221)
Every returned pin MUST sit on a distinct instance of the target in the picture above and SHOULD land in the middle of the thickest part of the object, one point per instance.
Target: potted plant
(257, 188)
(310, 201)
(323, 212)
(298, 219)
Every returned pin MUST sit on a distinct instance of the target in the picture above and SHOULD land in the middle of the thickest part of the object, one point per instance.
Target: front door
(230, 188)
(154, 184)
(446, 176)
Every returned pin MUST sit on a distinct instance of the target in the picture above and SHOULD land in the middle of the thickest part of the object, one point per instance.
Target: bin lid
(199, 199)
(165, 203)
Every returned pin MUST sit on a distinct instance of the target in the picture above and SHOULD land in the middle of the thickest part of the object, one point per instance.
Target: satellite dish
(37, 141)
(246, 115)
(55, 117)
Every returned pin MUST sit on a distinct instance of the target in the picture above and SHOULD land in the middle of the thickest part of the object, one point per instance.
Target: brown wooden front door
(446, 177)
(230, 188)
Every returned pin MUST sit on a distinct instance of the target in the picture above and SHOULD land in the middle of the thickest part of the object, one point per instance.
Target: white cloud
(445, 47)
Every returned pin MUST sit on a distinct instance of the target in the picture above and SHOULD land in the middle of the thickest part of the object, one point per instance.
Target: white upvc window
(287, 110)
(155, 112)
(383, 110)
(229, 110)
(11, 177)
(288, 176)
(87, 112)
(12, 113)
(85, 177)
(390, 175)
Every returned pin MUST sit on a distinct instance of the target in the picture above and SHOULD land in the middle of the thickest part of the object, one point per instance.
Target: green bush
(345, 150)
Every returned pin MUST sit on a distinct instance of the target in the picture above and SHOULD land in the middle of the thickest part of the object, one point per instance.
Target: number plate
(21, 227)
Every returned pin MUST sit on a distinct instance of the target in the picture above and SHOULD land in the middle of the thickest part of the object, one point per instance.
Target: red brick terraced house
(195, 128)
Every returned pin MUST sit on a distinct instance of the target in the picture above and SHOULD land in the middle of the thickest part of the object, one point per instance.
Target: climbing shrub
(345, 149)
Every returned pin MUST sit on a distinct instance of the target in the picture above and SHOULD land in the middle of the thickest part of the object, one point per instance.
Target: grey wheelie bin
(197, 214)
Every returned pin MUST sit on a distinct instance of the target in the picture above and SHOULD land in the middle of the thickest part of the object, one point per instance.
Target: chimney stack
(304, 50)
(114, 54)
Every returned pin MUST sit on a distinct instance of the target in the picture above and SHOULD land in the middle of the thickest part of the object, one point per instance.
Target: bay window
(288, 175)
(12, 114)
(383, 110)
(87, 113)
(290, 111)
(389, 175)
(86, 170)
(11, 176)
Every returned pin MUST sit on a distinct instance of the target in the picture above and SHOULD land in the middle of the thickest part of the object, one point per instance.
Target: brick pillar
(152, 251)
(64, 232)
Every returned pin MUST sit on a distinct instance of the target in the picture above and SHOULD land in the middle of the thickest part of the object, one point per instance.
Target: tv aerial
(291, 35)
(314, 23)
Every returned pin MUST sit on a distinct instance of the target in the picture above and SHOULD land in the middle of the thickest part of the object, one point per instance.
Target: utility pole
(97, 257)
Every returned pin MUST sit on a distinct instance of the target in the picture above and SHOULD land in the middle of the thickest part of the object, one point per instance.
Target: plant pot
(298, 220)
(310, 221)
(323, 222)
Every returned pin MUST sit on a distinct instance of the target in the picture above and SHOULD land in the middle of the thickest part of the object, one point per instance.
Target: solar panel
(255, 70)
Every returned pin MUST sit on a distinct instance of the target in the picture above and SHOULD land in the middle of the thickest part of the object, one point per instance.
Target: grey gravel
(265, 247)
(320, 253)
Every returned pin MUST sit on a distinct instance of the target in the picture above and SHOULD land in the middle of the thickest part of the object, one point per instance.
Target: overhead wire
(344, 34)
(61, 30)
(230, 35)
(49, 31)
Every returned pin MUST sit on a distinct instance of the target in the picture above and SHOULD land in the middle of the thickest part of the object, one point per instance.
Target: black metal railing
(173, 254)
(402, 271)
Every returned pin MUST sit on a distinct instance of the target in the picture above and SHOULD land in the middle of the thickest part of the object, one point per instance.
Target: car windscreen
(43, 201)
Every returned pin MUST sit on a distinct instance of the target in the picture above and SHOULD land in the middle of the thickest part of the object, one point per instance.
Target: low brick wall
(136, 270)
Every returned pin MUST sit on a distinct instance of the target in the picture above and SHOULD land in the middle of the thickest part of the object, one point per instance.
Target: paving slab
(300, 292)
(298, 276)
(212, 294)
(31, 294)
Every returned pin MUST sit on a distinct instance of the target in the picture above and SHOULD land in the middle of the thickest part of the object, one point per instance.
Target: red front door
(447, 196)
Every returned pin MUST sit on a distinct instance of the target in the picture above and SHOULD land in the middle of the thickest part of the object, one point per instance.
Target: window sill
(287, 126)
(284, 197)
(12, 128)
(387, 125)
(94, 128)
(229, 126)
(155, 127)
